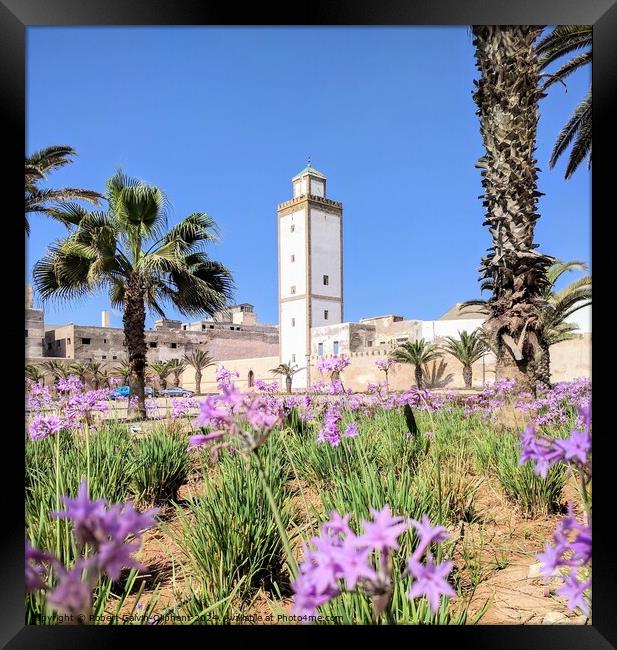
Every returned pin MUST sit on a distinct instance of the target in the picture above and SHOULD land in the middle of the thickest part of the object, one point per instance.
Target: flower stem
(293, 567)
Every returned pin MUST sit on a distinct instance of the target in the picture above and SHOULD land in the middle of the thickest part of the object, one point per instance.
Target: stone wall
(107, 343)
(35, 332)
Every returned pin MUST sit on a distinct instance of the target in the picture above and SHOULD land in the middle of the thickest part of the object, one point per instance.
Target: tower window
(293, 322)
(153, 344)
(83, 341)
(326, 280)
(293, 258)
(325, 314)
(320, 349)
(293, 228)
(173, 345)
(292, 290)
(335, 347)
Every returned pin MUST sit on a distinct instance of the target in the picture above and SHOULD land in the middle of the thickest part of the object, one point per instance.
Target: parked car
(125, 391)
(176, 392)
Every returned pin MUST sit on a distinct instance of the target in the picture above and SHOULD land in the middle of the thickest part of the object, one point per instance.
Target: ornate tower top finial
(309, 161)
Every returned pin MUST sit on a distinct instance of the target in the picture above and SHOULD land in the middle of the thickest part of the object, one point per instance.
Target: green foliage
(160, 467)
(228, 533)
(110, 475)
(499, 454)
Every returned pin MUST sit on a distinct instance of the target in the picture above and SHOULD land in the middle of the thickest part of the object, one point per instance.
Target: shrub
(229, 534)
(160, 467)
(535, 496)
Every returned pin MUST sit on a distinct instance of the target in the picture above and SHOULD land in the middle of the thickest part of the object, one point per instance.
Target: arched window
(251, 378)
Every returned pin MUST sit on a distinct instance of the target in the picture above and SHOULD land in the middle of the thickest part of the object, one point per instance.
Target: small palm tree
(97, 373)
(54, 203)
(562, 40)
(199, 360)
(81, 369)
(416, 353)
(123, 370)
(288, 371)
(177, 367)
(104, 379)
(131, 251)
(162, 370)
(56, 369)
(33, 373)
(467, 349)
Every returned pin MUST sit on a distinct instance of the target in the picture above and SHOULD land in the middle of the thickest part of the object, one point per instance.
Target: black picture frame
(17, 15)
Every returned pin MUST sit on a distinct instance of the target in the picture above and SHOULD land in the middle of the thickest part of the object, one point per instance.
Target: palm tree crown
(418, 354)
(130, 251)
(562, 40)
(55, 203)
(468, 348)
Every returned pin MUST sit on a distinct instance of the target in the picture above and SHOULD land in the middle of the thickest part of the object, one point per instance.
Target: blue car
(125, 391)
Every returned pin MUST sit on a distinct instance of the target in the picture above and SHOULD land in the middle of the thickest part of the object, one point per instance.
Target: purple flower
(69, 384)
(351, 431)
(105, 528)
(72, 595)
(576, 447)
(45, 425)
(430, 581)
(428, 534)
(383, 532)
(574, 591)
(200, 439)
(35, 570)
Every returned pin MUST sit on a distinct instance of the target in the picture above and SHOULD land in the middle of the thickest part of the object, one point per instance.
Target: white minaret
(310, 252)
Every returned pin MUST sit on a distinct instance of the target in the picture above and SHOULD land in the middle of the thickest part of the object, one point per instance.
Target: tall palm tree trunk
(507, 96)
(198, 381)
(543, 369)
(288, 381)
(467, 376)
(134, 322)
(418, 374)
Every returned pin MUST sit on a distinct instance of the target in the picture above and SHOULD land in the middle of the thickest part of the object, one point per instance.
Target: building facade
(310, 266)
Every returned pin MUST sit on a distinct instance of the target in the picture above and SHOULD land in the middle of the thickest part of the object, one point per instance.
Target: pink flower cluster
(106, 538)
(333, 364)
(340, 560)
(245, 420)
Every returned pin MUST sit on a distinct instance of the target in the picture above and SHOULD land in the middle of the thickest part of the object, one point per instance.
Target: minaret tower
(310, 267)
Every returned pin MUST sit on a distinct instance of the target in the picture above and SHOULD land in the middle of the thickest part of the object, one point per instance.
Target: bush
(229, 534)
(160, 467)
(535, 496)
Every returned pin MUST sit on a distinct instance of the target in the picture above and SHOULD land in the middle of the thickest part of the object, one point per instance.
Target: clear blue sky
(222, 118)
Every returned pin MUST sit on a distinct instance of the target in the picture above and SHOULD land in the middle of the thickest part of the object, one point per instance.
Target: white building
(310, 257)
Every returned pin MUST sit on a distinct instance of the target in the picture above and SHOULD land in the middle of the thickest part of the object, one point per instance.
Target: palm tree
(288, 371)
(103, 378)
(199, 360)
(177, 367)
(56, 369)
(417, 353)
(559, 306)
(123, 370)
(130, 251)
(562, 40)
(80, 369)
(507, 96)
(33, 373)
(97, 373)
(162, 370)
(467, 349)
(54, 203)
